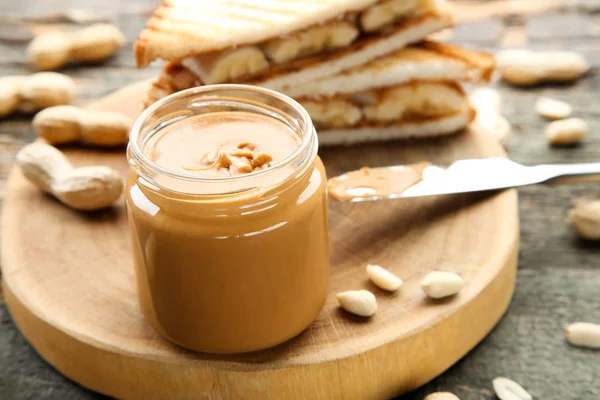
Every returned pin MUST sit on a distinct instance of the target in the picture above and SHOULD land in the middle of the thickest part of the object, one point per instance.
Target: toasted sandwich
(282, 43)
(411, 92)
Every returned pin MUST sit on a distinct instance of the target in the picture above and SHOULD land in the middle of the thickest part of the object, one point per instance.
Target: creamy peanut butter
(230, 272)
(222, 144)
(368, 182)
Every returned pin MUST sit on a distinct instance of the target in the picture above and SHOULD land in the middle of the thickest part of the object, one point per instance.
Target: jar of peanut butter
(227, 211)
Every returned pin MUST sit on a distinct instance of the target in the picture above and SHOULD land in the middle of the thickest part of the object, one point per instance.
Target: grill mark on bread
(274, 6)
(233, 16)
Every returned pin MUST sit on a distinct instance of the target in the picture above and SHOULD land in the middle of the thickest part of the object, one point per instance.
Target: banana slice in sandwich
(423, 99)
(332, 113)
(234, 64)
(311, 41)
(228, 65)
(386, 13)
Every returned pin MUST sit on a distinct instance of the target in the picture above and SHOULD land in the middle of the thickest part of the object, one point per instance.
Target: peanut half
(53, 50)
(566, 132)
(84, 188)
(507, 389)
(34, 92)
(442, 396)
(383, 278)
(440, 284)
(584, 334)
(585, 218)
(67, 124)
(359, 302)
(526, 67)
(552, 108)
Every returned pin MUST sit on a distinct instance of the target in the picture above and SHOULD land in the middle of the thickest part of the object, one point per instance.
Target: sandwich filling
(248, 61)
(380, 107)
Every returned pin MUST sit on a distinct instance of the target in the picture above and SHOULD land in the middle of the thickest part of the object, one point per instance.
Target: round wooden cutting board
(69, 285)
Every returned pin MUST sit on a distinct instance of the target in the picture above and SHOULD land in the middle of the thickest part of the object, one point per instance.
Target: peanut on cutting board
(34, 92)
(584, 334)
(53, 50)
(84, 188)
(566, 132)
(526, 67)
(442, 396)
(585, 218)
(507, 389)
(440, 284)
(383, 278)
(359, 302)
(552, 109)
(67, 124)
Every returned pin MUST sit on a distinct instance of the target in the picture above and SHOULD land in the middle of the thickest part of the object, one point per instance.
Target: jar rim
(309, 135)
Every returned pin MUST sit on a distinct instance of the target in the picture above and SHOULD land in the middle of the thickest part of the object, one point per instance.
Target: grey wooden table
(559, 275)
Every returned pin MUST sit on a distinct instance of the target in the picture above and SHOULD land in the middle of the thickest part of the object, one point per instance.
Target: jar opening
(215, 99)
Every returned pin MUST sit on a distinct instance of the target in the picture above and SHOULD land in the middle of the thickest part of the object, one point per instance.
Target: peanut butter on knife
(368, 182)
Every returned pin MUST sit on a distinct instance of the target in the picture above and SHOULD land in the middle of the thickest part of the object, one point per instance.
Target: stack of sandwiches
(363, 69)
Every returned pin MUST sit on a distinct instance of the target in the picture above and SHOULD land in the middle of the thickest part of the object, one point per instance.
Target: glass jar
(231, 264)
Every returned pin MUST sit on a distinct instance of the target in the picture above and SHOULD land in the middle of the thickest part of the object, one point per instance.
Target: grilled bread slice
(184, 28)
(290, 41)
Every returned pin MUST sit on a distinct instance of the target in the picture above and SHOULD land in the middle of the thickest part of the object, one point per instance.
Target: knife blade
(473, 175)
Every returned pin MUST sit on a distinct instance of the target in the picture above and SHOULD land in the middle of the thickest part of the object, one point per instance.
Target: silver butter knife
(471, 176)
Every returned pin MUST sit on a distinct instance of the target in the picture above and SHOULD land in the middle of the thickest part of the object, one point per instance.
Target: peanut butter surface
(222, 144)
(367, 182)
